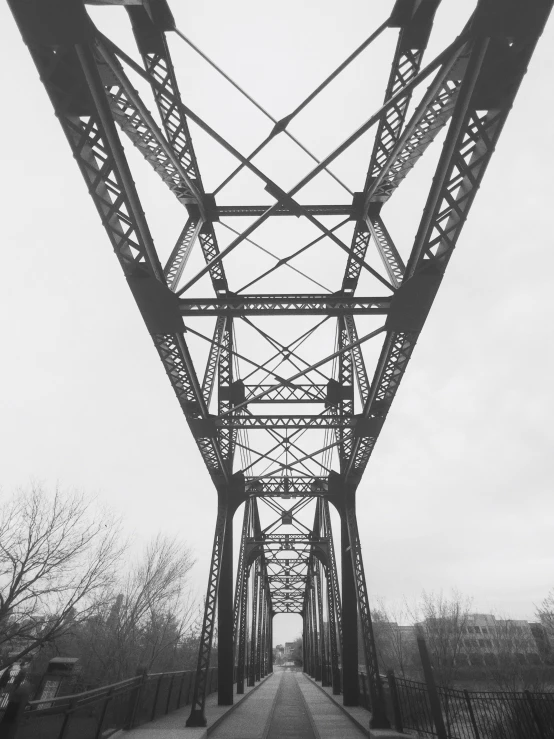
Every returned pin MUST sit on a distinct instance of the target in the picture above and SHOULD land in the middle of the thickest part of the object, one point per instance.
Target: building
(474, 640)
(543, 642)
(289, 649)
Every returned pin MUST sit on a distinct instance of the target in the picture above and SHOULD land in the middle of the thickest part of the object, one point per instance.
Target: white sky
(458, 491)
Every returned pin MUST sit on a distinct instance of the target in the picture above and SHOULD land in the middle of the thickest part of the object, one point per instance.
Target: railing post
(67, 717)
(536, 718)
(134, 700)
(169, 694)
(153, 714)
(471, 715)
(103, 714)
(13, 712)
(432, 692)
(181, 688)
(395, 700)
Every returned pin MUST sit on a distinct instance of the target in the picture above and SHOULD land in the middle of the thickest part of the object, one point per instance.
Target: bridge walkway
(285, 705)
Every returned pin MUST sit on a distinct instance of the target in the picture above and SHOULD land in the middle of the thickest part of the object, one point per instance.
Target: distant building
(479, 640)
(485, 637)
(542, 640)
(289, 648)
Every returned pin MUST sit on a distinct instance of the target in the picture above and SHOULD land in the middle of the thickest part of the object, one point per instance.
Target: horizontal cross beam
(286, 487)
(286, 422)
(287, 393)
(315, 305)
(282, 210)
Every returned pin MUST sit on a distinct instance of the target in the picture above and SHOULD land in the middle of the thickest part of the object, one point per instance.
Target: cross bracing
(283, 366)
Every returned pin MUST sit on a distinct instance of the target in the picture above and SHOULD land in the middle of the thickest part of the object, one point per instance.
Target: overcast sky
(458, 493)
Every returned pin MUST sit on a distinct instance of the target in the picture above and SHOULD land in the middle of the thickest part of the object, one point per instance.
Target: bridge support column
(322, 650)
(316, 626)
(253, 630)
(349, 622)
(197, 716)
(333, 602)
(379, 718)
(242, 663)
(225, 659)
(305, 656)
(270, 642)
(241, 602)
(260, 666)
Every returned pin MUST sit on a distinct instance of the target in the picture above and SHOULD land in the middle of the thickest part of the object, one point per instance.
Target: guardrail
(97, 714)
(466, 714)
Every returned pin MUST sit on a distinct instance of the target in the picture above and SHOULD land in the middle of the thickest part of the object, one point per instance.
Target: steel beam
(274, 305)
(197, 715)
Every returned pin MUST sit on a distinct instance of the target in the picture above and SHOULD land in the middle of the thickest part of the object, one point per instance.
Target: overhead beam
(274, 305)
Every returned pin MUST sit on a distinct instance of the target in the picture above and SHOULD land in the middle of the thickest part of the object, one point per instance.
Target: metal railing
(97, 714)
(466, 714)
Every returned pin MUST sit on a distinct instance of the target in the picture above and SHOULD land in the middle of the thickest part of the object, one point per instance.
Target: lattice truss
(285, 368)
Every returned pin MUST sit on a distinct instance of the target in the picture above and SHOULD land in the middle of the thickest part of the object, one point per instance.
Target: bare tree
(545, 615)
(442, 621)
(394, 640)
(148, 619)
(297, 655)
(57, 558)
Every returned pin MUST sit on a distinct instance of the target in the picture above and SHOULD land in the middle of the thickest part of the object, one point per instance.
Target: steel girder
(285, 453)
(277, 305)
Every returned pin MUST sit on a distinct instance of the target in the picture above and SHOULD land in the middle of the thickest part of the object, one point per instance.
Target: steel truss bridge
(284, 425)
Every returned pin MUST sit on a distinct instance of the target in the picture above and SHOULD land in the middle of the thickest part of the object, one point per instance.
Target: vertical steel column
(308, 629)
(323, 661)
(225, 660)
(326, 674)
(305, 647)
(253, 630)
(225, 620)
(263, 665)
(260, 619)
(197, 716)
(270, 639)
(311, 671)
(379, 718)
(333, 599)
(317, 654)
(241, 601)
(242, 656)
(333, 649)
(349, 622)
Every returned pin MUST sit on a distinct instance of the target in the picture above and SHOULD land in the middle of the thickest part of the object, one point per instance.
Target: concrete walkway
(285, 705)
(250, 719)
(173, 726)
(359, 715)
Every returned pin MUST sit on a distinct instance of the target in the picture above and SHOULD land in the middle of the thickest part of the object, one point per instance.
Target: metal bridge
(288, 400)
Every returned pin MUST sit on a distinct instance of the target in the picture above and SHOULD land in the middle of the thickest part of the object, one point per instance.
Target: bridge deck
(286, 705)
